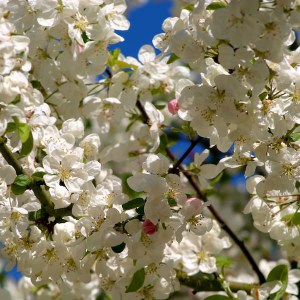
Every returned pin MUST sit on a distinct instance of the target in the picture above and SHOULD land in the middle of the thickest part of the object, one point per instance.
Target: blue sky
(146, 22)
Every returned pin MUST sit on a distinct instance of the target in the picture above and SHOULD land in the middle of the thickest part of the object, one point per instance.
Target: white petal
(146, 54)
(8, 173)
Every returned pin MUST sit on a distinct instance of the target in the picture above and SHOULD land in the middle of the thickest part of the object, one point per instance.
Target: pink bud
(193, 204)
(149, 227)
(173, 106)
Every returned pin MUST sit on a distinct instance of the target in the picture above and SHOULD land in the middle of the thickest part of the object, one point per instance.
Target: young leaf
(23, 131)
(173, 57)
(27, 146)
(292, 219)
(189, 7)
(223, 261)
(140, 210)
(263, 95)
(134, 203)
(295, 136)
(22, 180)
(280, 273)
(215, 5)
(103, 296)
(38, 176)
(115, 53)
(11, 127)
(137, 281)
(215, 180)
(18, 189)
(124, 65)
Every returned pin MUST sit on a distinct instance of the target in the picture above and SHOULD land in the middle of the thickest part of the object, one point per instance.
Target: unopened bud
(149, 227)
(173, 106)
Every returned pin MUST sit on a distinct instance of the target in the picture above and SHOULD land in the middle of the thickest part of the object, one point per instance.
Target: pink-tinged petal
(193, 204)
(173, 106)
(148, 227)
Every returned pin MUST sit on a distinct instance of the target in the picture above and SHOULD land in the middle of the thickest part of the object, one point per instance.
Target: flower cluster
(92, 199)
(249, 98)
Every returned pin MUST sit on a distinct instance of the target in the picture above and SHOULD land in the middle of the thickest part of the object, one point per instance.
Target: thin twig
(200, 195)
(202, 283)
(184, 155)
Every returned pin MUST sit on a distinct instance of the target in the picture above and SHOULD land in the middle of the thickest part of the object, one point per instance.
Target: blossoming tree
(94, 204)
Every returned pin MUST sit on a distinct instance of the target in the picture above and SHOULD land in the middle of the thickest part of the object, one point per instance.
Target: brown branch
(200, 195)
(209, 283)
(184, 155)
(40, 194)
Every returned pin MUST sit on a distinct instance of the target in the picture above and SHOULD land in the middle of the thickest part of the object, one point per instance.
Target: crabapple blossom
(149, 227)
(173, 106)
(95, 201)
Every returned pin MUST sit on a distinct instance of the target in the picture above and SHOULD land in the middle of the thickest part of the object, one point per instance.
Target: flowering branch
(222, 223)
(37, 190)
(199, 193)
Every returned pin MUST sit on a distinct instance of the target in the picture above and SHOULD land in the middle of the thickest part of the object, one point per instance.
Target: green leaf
(11, 127)
(17, 189)
(140, 210)
(292, 218)
(209, 192)
(188, 130)
(189, 7)
(295, 136)
(37, 215)
(27, 146)
(16, 100)
(163, 144)
(103, 296)
(280, 273)
(134, 203)
(115, 53)
(133, 119)
(215, 180)
(22, 180)
(124, 65)
(119, 248)
(36, 84)
(223, 261)
(217, 297)
(160, 107)
(23, 131)
(137, 281)
(263, 96)
(127, 189)
(85, 38)
(38, 176)
(215, 5)
(172, 58)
